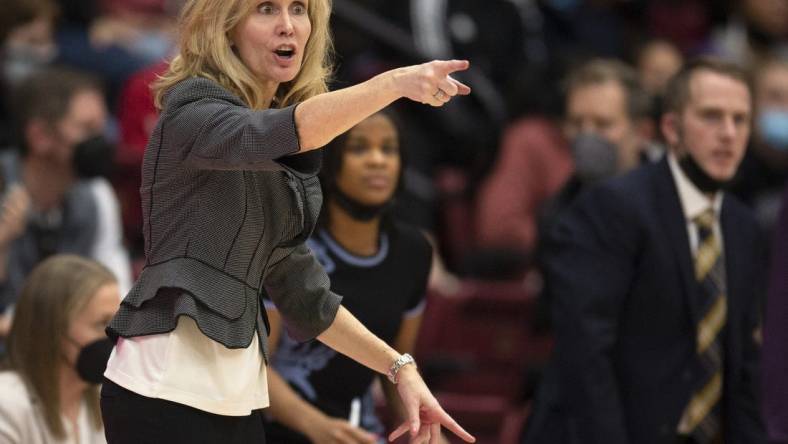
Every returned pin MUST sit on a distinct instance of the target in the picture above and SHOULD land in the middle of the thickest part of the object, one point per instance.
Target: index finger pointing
(447, 67)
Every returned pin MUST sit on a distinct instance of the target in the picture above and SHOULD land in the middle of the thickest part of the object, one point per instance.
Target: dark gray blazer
(225, 218)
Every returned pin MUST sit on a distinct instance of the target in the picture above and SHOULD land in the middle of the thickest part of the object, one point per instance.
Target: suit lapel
(674, 222)
(732, 243)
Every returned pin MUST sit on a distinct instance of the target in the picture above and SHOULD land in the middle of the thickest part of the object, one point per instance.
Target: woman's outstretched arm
(325, 116)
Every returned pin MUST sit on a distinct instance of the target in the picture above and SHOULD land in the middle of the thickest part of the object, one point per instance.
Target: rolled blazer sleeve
(300, 289)
(213, 129)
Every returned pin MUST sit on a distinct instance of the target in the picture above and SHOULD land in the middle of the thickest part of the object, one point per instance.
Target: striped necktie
(701, 417)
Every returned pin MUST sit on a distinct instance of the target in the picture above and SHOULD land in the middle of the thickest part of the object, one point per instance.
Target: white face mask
(153, 47)
(19, 62)
(773, 128)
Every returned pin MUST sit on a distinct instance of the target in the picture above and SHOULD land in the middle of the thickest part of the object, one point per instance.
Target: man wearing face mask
(657, 277)
(53, 200)
(606, 109)
(540, 170)
(762, 175)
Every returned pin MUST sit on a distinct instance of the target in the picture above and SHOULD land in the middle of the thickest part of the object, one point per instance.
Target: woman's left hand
(425, 415)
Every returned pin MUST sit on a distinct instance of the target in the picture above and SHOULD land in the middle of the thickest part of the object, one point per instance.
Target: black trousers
(130, 418)
(276, 433)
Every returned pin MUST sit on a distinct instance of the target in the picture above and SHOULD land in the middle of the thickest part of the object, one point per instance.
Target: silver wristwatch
(403, 360)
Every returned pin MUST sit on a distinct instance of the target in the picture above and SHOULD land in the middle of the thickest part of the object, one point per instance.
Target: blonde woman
(55, 352)
(229, 195)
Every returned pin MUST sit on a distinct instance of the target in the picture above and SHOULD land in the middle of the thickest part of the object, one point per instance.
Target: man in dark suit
(657, 281)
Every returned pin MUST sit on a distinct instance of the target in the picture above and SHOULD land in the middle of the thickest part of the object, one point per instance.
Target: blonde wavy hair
(205, 51)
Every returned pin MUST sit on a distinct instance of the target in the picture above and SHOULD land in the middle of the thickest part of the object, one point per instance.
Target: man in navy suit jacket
(633, 360)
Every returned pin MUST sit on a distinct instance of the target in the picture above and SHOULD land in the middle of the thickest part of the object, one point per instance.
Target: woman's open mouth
(285, 52)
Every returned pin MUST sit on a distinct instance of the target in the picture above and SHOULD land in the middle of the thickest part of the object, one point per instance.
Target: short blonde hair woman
(229, 195)
(60, 318)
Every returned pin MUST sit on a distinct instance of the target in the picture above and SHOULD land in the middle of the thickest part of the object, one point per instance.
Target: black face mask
(356, 209)
(698, 177)
(92, 360)
(94, 157)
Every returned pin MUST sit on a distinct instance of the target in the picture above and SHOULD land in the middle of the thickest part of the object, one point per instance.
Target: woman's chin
(375, 201)
(284, 74)
(278, 76)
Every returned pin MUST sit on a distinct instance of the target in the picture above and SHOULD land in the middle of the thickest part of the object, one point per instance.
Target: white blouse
(22, 422)
(189, 368)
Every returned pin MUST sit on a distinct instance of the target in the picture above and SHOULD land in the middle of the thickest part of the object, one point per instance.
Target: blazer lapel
(673, 220)
(732, 243)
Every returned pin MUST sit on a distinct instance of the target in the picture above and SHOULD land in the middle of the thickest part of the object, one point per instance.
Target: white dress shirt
(694, 203)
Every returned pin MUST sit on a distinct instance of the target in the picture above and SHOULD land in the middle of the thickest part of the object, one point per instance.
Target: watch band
(400, 362)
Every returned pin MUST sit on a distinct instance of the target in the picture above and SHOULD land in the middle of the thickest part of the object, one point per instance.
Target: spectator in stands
(144, 28)
(756, 29)
(594, 158)
(380, 266)
(775, 337)
(657, 61)
(26, 45)
(113, 39)
(656, 277)
(51, 205)
(57, 351)
(604, 101)
(26, 37)
(761, 177)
